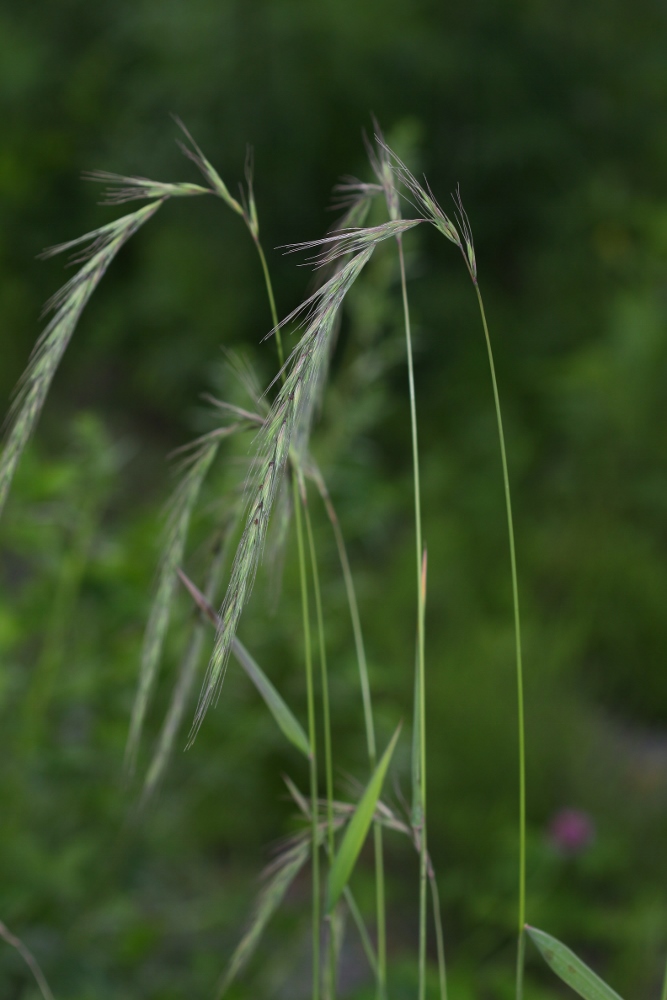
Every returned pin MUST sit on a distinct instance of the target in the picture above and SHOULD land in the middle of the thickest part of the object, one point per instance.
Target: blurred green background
(552, 116)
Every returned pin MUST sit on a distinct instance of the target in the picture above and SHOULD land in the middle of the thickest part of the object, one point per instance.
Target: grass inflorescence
(282, 420)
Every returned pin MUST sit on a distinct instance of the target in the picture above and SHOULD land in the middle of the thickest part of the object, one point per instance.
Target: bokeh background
(551, 115)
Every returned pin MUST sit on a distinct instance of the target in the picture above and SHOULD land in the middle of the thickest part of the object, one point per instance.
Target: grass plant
(282, 420)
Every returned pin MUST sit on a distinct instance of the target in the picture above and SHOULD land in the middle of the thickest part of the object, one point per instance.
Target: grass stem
(312, 738)
(439, 938)
(328, 759)
(519, 665)
(326, 715)
(380, 966)
(272, 303)
(421, 672)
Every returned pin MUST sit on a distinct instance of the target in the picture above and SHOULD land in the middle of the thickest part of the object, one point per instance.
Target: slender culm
(385, 173)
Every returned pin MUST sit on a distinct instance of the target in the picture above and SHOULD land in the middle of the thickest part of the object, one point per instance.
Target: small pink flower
(571, 831)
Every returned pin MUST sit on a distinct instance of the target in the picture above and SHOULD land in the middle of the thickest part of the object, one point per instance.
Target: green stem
(312, 738)
(380, 966)
(439, 939)
(328, 759)
(307, 642)
(519, 666)
(663, 995)
(272, 303)
(421, 672)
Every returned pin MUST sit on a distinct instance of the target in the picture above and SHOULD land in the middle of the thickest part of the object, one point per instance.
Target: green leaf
(283, 715)
(571, 969)
(357, 829)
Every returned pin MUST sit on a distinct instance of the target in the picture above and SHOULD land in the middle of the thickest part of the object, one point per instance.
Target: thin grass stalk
(312, 739)
(303, 580)
(250, 216)
(326, 718)
(350, 591)
(326, 714)
(381, 964)
(272, 305)
(439, 937)
(663, 994)
(381, 163)
(28, 958)
(462, 238)
(519, 664)
(421, 671)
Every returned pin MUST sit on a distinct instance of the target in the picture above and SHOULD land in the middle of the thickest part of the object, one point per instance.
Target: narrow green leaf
(357, 829)
(288, 723)
(571, 969)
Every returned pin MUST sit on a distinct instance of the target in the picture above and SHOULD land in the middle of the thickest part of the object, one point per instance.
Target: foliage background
(551, 115)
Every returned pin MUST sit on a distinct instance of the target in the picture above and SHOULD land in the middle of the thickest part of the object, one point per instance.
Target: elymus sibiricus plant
(282, 483)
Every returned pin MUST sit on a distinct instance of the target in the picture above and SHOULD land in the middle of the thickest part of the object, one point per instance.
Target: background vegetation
(552, 117)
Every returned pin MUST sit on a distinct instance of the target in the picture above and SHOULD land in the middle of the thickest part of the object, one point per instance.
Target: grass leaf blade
(570, 968)
(286, 720)
(357, 829)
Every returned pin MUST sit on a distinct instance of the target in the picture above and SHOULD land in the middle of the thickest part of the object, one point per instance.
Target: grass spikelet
(380, 162)
(286, 427)
(354, 240)
(67, 305)
(122, 189)
(424, 197)
(216, 183)
(277, 539)
(468, 248)
(355, 197)
(178, 522)
(282, 873)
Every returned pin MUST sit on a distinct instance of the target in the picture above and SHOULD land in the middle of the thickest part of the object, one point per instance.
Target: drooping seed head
(122, 189)
(382, 168)
(468, 247)
(423, 196)
(217, 185)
